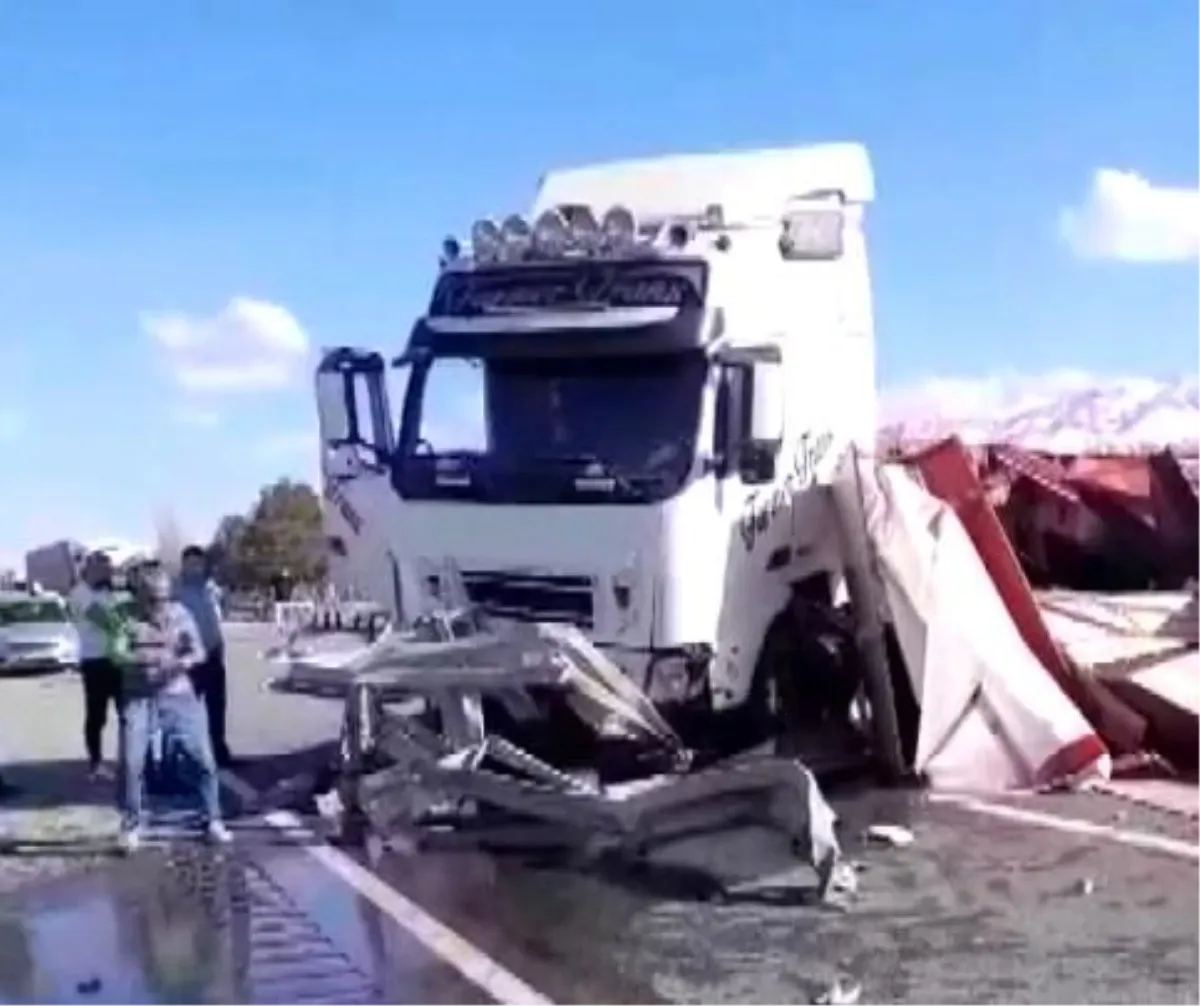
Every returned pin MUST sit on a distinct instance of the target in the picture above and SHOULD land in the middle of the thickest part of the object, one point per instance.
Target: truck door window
(732, 417)
(453, 412)
(332, 409)
(360, 403)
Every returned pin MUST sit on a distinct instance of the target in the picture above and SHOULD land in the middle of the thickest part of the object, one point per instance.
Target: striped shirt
(161, 651)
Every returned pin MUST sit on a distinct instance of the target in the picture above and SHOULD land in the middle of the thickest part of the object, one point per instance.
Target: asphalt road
(977, 909)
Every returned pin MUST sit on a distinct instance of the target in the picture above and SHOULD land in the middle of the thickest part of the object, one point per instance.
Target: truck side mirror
(765, 425)
(750, 410)
(339, 464)
(762, 426)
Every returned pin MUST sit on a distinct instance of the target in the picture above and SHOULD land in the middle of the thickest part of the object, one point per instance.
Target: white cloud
(1128, 219)
(250, 345)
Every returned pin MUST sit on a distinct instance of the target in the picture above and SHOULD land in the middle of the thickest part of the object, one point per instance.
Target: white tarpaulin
(992, 718)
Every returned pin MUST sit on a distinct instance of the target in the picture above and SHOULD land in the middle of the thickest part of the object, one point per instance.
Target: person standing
(197, 592)
(161, 649)
(92, 605)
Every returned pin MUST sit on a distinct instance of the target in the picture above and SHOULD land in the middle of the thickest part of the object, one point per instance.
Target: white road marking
(462, 955)
(1076, 826)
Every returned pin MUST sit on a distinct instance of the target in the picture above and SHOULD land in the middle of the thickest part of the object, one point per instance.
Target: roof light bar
(557, 232)
(486, 241)
(619, 229)
(516, 236)
(551, 235)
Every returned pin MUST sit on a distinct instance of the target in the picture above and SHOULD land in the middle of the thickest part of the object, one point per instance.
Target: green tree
(226, 552)
(280, 537)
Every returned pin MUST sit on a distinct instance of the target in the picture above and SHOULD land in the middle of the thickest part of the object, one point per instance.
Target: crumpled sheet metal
(1143, 649)
(950, 472)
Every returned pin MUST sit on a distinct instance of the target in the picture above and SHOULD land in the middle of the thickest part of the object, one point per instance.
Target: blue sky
(161, 160)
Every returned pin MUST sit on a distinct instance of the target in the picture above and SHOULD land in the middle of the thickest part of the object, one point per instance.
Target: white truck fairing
(629, 425)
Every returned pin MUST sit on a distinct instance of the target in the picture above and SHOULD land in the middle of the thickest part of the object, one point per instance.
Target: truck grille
(530, 597)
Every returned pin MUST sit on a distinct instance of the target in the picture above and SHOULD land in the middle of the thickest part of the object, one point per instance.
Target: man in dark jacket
(196, 591)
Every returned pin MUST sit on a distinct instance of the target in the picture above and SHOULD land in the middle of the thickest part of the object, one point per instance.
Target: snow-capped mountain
(1125, 415)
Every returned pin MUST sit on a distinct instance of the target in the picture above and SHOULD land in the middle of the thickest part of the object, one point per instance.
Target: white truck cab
(624, 410)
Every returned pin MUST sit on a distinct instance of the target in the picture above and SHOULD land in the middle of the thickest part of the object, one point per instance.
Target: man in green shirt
(93, 605)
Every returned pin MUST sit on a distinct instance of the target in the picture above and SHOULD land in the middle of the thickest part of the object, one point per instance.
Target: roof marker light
(813, 234)
(485, 240)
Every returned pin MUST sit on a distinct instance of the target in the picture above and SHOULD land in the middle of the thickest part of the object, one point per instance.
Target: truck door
(354, 415)
(754, 500)
(357, 439)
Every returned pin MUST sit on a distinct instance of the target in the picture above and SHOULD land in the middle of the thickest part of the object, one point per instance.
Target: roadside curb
(1125, 791)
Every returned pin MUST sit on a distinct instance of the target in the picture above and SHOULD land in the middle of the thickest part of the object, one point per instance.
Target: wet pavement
(974, 910)
(184, 923)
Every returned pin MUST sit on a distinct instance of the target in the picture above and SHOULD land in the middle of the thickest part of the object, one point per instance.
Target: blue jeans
(182, 721)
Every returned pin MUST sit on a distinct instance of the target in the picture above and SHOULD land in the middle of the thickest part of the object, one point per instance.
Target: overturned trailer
(1100, 522)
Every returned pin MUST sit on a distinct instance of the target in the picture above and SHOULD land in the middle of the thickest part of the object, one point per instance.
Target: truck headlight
(677, 677)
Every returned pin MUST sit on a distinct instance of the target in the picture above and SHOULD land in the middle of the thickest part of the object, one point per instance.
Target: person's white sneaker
(129, 840)
(217, 832)
(100, 773)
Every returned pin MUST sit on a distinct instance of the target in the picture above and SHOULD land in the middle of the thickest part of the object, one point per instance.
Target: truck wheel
(763, 717)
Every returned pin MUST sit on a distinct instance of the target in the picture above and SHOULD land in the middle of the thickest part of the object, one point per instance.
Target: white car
(36, 633)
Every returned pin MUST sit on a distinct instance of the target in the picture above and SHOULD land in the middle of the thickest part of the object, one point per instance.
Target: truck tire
(774, 701)
(763, 716)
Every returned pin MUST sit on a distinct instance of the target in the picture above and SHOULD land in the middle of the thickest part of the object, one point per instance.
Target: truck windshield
(577, 429)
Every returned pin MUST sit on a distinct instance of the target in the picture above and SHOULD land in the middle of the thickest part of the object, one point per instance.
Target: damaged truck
(624, 412)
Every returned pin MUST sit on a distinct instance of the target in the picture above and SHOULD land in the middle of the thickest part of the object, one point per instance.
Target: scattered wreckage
(1095, 558)
(445, 737)
(453, 769)
(460, 729)
(699, 551)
